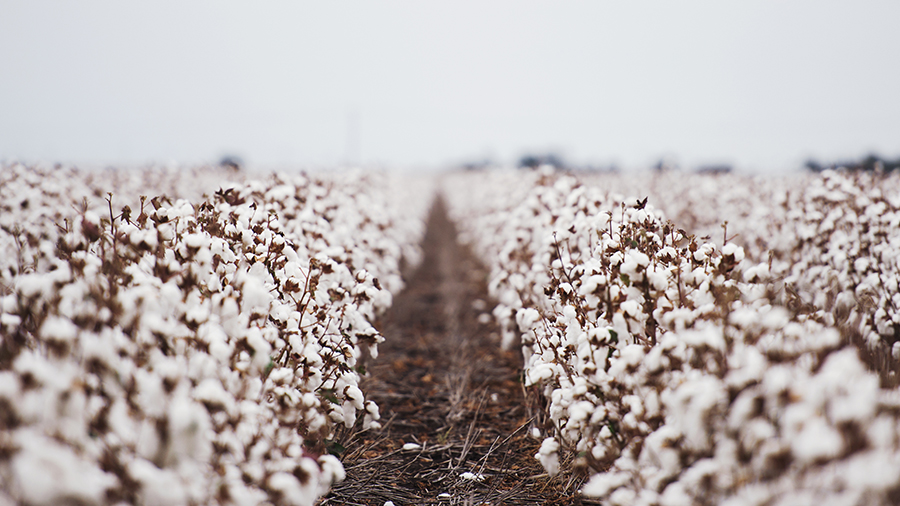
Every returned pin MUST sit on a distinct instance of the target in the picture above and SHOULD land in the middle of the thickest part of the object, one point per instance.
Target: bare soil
(443, 382)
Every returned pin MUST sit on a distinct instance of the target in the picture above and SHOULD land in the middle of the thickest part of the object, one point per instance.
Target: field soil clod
(444, 384)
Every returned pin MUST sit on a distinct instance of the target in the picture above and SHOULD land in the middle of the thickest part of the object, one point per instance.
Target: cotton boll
(634, 404)
(601, 485)
(198, 313)
(815, 440)
(181, 209)
(599, 452)
(283, 376)
(32, 285)
(592, 284)
(703, 252)
(355, 396)
(372, 416)
(469, 476)
(526, 318)
(710, 336)
(747, 367)
(8, 303)
(166, 232)
(776, 318)
(280, 312)
(332, 471)
(580, 411)
(348, 413)
(548, 456)
(733, 250)
(196, 241)
(874, 472)
(50, 473)
(411, 447)
(639, 257)
(211, 393)
(148, 239)
(631, 355)
(59, 329)
(630, 307)
(158, 487)
(853, 391)
(634, 263)
(663, 455)
(255, 296)
(217, 341)
(189, 427)
(690, 405)
(294, 491)
(261, 349)
(658, 278)
(746, 318)
(757, 273)
(540, 373)
(53, 376)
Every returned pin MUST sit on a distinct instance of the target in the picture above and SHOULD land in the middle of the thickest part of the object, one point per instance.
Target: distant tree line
(870, 163)
(558, 162)
(533, 161)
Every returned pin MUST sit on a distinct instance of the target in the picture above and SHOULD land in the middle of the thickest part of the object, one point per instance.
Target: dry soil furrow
(443, 383)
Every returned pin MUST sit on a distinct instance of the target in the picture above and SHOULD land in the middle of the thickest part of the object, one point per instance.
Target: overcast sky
(761, 84)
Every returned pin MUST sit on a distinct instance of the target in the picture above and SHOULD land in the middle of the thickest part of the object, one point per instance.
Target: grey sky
(761, 84)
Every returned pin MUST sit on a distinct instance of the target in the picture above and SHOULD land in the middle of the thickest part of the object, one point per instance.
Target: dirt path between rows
(442, 382)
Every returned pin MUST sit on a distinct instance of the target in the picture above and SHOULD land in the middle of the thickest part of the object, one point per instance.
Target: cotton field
(199, 336)
(747, 362)
(174, 338)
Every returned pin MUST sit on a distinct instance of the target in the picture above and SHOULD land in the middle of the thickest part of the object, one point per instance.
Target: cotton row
(188, 352)
(672, 365)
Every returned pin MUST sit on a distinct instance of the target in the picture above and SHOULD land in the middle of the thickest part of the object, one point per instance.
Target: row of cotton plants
(831, 238)
(672, 369)
(187, 351)
(840, 251)
(742, 206)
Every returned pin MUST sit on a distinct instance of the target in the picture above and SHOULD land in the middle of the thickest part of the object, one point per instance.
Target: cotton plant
(187, 352)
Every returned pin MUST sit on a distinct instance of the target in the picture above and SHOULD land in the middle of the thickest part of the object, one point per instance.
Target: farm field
(198, 336)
